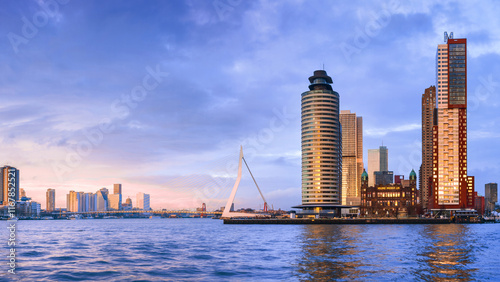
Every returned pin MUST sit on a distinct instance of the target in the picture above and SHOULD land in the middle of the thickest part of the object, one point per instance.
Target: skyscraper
(117, 203)
(143, 201)
(72, 201)
(321, 145)
(378, 160)
(428, 119)
(51, 200)
(9, 181)
(101, 200)
(117, 189)
(452, 188)
(352, 157)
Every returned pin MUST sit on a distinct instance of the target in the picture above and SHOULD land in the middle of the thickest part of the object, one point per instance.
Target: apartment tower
(352, 157)
(51, 200)
(321, 145)
(452, 188)
(9, 181)
(428, 117)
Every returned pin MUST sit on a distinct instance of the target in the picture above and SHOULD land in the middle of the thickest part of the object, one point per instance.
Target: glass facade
(321, 143)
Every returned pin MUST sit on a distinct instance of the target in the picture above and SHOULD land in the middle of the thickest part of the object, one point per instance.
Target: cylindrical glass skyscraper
(321, 145)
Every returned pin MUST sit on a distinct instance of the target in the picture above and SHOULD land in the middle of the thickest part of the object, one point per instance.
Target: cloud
(378, 132)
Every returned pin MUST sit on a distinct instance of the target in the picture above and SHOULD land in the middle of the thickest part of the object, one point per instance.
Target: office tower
(490, 196)
(114, 201)
(378, 160)
(22, 193)
(9, 181)
(117, 189)
(428, 119)
(384, 177)
(51, 200)
(452, 188)
(321, 145)
(101, 201)
(143, 201)
(352, 157)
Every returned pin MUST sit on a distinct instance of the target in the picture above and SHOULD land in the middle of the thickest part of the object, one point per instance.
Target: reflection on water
(330, 252)
(447, 254)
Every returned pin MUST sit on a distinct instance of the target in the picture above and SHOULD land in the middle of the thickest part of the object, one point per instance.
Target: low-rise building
(389, 200)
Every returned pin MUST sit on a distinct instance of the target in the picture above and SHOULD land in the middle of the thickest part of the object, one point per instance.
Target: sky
(160, 95)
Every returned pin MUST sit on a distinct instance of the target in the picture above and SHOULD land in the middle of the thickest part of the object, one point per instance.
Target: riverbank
(340, 221)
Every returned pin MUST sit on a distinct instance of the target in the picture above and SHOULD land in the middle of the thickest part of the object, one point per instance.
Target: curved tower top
(320, 80)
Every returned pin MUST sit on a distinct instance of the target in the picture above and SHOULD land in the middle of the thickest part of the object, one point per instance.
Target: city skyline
(218, 79)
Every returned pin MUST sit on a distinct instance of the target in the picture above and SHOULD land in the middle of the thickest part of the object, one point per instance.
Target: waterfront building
(9, 173)
(429, 115)
(479, 204)
(378, 160)
(143, 201)
(101, 200)
(128, 204)
(117, 190)
(91, 202)
(51, 200)
(491, 196)
(321, 147)
(384, 177)
(114, 202)
(352, 157)
(452, 188)
(72, 201)
(393, 199)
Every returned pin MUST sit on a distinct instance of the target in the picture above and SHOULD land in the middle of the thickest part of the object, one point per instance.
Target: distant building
(117, 189)
(51, 200)
(479, 204)
(490, 196)
(398, 179)
(72, 201)
(101, 200)
(114, 202)
(378, 160)
(389, 200)
(384, 177)
(23, 193)
(143, 201)
(9, 182)
(321, 147)
(34, 209)
(429, 119)
(352, 157)
(91, 202)
(128, 204)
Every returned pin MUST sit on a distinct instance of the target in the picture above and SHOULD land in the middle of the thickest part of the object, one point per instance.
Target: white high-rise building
(378, 160)
(143, 201)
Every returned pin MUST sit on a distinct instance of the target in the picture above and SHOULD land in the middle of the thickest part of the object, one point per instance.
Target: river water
(207, 250)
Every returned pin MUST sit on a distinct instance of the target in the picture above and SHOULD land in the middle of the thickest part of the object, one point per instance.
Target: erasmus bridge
(226, 213)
